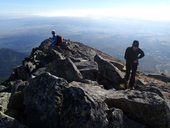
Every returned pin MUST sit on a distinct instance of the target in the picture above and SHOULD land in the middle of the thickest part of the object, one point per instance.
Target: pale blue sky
(142, 9)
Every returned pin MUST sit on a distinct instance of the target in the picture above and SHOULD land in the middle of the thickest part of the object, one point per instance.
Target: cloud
(160, 13)
(154, 12)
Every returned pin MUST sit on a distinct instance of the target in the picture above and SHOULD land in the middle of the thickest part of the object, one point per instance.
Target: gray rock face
(79, 50)
(2, 88)
(54, 55)
(43, 100)
(44, 46)
(39, 71)
(4, 100)
(115, 118)
(22, 73)
(81, 93)
(129, 123)
(90, 74)
(9, 122)
(149, 89)
(65, 69)
(160, 77)
(18, 85)
(109, 71)
(83, 107)
(142, 106)
(88, 69)
(120, 66)
(16, 101)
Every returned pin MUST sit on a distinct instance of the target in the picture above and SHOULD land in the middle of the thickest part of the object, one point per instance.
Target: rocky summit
(76, 86)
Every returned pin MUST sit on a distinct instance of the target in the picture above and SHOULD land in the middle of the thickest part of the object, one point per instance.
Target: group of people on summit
(132, 55)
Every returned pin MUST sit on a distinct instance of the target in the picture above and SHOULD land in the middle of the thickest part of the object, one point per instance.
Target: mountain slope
(77, 86)
(9, 59)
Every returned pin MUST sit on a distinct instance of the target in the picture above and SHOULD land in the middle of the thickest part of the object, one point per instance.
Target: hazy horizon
(109, 26)
(153, 10)
(110, 36)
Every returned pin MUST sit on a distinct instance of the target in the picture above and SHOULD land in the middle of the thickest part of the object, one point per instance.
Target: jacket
(53, 40)
(131, 55)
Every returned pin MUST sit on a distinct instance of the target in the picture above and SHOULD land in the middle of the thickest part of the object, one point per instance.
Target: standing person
(132, 55)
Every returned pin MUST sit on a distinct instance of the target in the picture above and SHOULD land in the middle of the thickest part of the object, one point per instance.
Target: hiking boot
(131, 86)
(125, 83)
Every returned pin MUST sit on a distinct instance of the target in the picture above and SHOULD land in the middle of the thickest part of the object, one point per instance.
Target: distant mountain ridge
(9, 59)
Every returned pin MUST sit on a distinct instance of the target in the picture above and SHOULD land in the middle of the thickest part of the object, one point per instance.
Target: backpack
(59, 40)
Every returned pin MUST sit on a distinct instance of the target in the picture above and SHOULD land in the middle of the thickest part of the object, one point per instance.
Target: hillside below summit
(9, 59)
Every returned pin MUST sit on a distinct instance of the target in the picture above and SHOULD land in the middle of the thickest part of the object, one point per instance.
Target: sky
(135, 9)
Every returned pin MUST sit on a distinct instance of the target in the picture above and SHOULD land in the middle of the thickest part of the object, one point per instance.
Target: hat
(135, 43)
(53, 31)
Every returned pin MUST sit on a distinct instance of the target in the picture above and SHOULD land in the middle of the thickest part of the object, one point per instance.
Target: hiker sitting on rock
(132, 55)
(56, 40)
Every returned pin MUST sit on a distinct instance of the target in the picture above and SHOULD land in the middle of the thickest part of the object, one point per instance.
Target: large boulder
(43, 100)
(65, 69)
(78, 50)
(37, 58)
(16, 106)
(22, 73)
(89, 73)
(130, 123)
(115, 118)
(149, 88)
(109, 71)
(83, 107)
(161, 77)
(17, 85)
(4, 100)
(16, 101)
(54, 55)
(39, 71)
(37, 54)
(145, 107)
(119, 65)
(88, 69)
(9, 122)
(44, 46)
(2, 88)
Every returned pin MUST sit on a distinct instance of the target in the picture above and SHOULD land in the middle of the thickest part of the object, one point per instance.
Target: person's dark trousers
(133, 74)
(129, 67)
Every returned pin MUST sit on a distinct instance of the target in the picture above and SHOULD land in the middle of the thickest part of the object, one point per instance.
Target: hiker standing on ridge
(132, 55)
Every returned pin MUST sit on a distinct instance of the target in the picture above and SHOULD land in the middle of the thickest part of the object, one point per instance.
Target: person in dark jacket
(132, 55)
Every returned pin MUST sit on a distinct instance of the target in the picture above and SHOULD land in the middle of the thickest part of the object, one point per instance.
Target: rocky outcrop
(149, 89)
(160, 77)
(4, 100)
(82, 107)
(65, 69)
(142, 106)
(43, 99)
(88, 69)
(22, 73)
(76, 86)
(109, 71)
(9, 122)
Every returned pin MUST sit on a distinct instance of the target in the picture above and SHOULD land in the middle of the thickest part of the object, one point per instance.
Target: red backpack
(59, 40)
